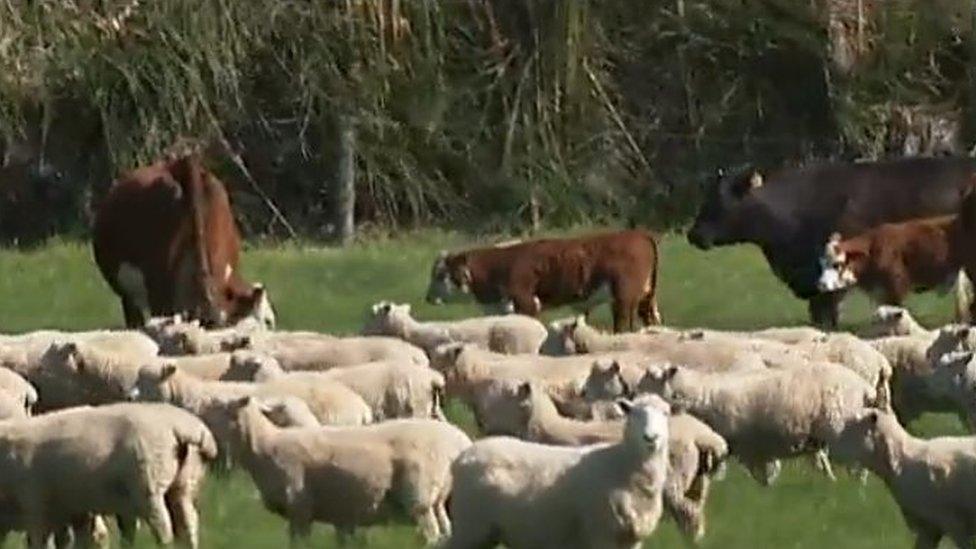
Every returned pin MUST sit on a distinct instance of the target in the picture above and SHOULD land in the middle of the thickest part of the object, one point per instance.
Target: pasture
(329, 290)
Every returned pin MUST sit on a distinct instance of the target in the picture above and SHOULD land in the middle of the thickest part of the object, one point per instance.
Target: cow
(894, 259)
(790, 213)
(527, 277)
(166, 242)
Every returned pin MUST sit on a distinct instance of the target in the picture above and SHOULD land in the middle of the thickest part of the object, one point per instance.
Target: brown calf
(892, 260)
(527, 277)
(166, 241)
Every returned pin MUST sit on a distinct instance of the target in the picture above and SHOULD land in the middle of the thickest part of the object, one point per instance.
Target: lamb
(391, 389)
(766, 415)
(128, 460)
(470, 371)
(724, 354)
(695, 451)
(331, 403)
(298, 472)
(508, 334)
(123, 341)
(891, 320)
(177, 337)
(318, 352)
(932, 481)
(525, 494)
(76, 372)
(914, 389)
(17, 391)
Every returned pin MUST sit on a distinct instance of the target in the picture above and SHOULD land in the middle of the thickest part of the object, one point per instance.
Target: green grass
(330, 290)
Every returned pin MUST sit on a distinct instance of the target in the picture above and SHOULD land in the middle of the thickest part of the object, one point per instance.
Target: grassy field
(330, 290)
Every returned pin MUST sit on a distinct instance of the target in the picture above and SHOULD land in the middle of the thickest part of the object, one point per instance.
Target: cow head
(839, 265)
(450, 279)
(251, 302)
(726, 210)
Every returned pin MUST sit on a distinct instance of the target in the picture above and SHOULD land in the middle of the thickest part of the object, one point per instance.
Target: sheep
(92, 375)
(392, 389)
(932, 481)
(18, 391)
(726, 353)
(224, 366)
(128, 460)
(177, 337)
(914, 389)
(289, 411)
(695, 450)
(469, 371)
(125, 341)
(766, 415)
(525, 494)
(330, 402)
(558, 342)
(299, 472)
(891, 320)
(951, 338)
(509, 334)
(318, 352)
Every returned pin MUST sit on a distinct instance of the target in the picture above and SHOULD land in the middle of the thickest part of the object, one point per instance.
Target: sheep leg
(686, 513)
(426, 519)
(159, 519)
(822, 462)
(185, 519)
(443, 519)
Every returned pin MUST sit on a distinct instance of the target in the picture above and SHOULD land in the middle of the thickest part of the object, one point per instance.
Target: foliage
(463, 110)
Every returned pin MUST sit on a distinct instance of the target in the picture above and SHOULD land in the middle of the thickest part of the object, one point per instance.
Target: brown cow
(527, 277)
(895, 259)
(166, 242)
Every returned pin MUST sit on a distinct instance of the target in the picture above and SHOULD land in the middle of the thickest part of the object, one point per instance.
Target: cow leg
(823, 310)
(526, 304)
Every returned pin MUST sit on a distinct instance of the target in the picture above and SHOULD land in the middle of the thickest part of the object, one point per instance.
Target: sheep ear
(873, 416)
(964, 332)
(456, 351)
(405, 308)
(670, 371)
(168, 370)
(614, 367)
(442, 254)
(625, 405)
(525, 390)
(897, 314)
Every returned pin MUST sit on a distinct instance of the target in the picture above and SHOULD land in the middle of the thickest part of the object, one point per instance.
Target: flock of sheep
(591, 436)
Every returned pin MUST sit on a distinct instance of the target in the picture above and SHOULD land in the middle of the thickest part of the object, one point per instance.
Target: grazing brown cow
(894, 259)
(166, 242)
(526, 277)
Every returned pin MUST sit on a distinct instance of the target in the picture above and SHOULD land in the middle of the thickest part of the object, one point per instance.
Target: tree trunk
(345, 181)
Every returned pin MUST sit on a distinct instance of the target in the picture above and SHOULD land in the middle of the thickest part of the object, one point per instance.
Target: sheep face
(863, 440)
(387, 319)
(646, 428)
(252, 366)
(504, 408)
(605, 382)
(657, 380)
(955, 337)
(154, 383)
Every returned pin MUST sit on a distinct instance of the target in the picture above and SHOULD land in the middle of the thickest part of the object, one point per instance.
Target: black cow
(790, 214)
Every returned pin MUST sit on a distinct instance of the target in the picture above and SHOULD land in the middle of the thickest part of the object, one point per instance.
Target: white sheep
(300, 472)
(690, 349)
(17, 391)
(176, 337)
(766, 415)
(932, 481)
(524, 494)
(392, 389)
(914, 386)
(509, 334)
(891, 320)
(695, 450)
(330, 402)
(224, 366)
(317, 352)
(128, 460)
(469, 371)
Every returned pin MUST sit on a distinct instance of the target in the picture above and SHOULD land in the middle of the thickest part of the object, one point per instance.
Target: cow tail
(647, 308)
(198, 196)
